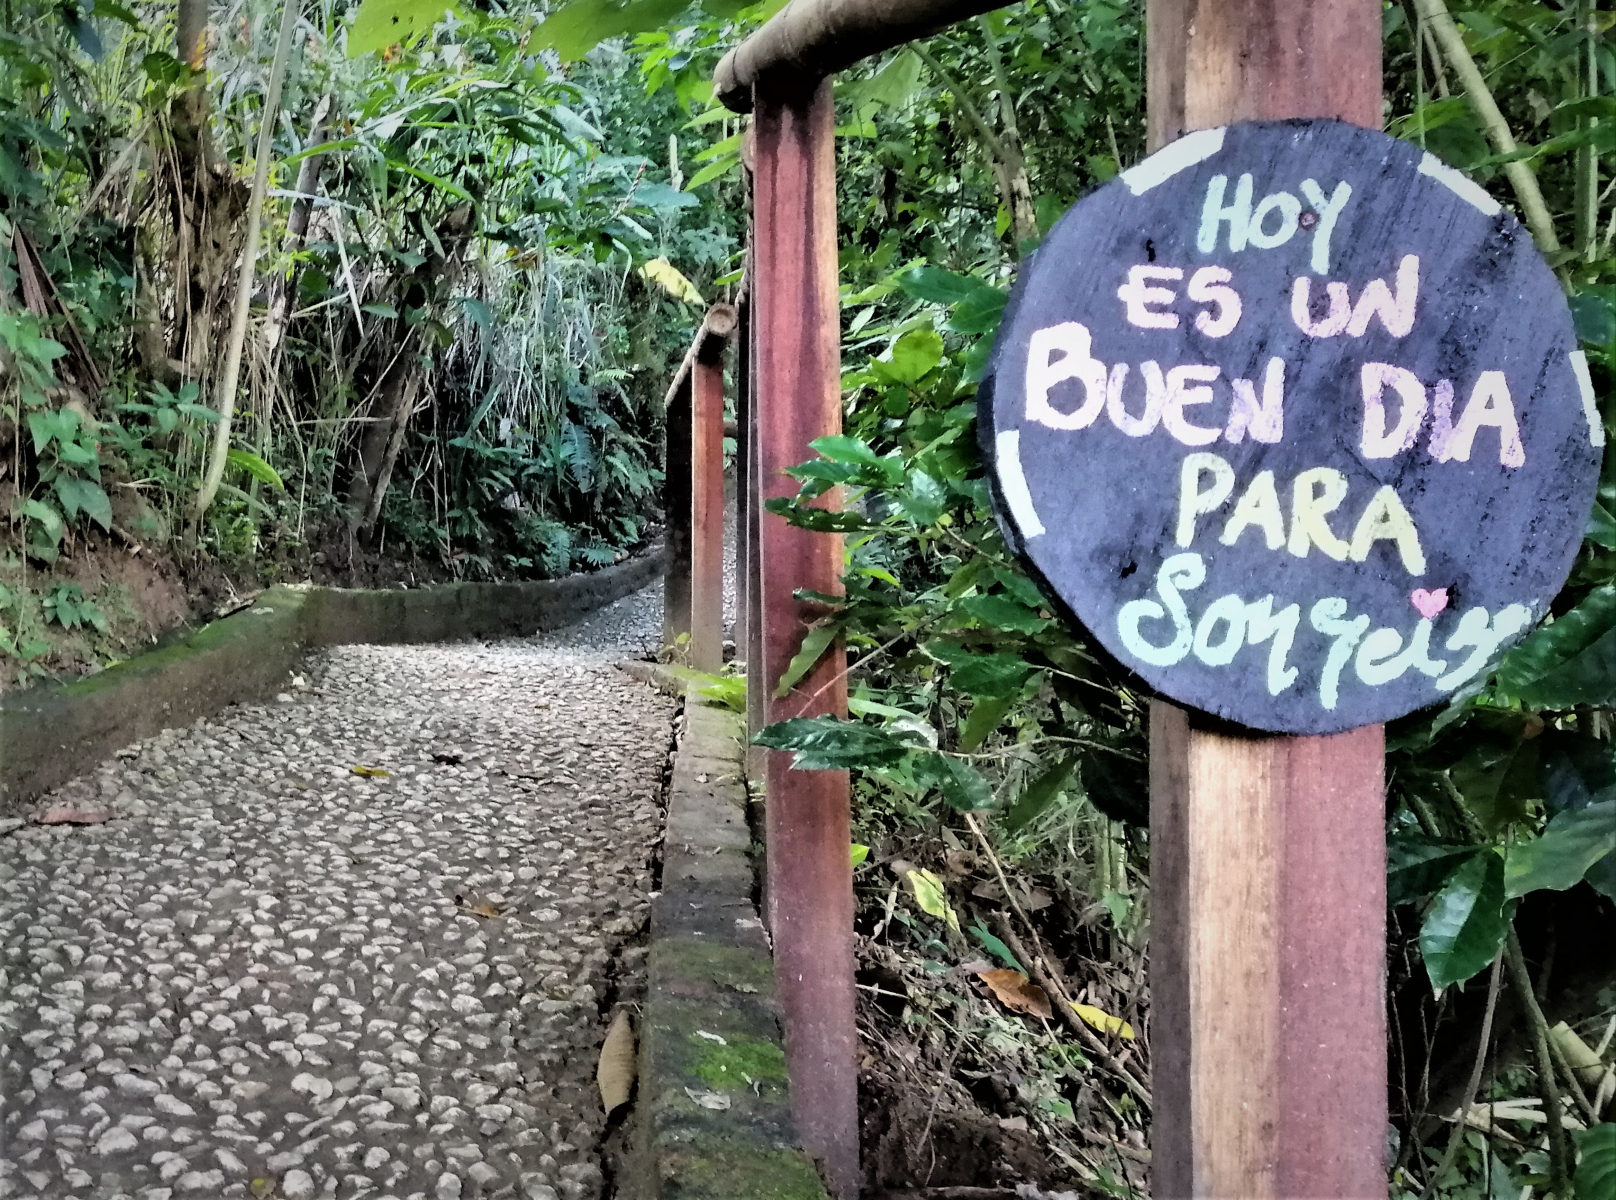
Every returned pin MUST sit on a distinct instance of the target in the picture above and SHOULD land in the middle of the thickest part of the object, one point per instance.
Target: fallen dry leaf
(67, 814)
(614, 1075)
(370, 772)
(1016, 992)
(717, 1101)
(262, 1188)
(484, 908)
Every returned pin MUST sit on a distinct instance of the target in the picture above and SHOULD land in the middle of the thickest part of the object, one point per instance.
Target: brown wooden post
(707, 497)
(1268, 854)
(798, 398)
(676, 511)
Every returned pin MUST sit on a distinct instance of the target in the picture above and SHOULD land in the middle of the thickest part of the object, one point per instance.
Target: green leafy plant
(66, 604)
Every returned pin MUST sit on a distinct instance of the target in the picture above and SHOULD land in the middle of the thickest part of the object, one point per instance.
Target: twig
(1559, 1160)
(1063, 1004)
(1570, 1076)
(1456, 1138)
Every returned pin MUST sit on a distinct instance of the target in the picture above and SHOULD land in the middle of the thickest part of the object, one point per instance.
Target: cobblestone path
(269, 975)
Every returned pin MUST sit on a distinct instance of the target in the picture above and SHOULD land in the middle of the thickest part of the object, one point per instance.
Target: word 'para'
(1315, 494)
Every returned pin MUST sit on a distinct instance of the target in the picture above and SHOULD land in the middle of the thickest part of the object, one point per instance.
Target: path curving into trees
(268, 969)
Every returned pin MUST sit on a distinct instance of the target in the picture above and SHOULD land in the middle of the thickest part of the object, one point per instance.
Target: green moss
(742, 1175)
(738, 1062)
(748, 971)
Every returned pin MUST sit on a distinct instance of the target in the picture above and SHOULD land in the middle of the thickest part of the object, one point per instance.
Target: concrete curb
(49, 735)
(710, 1035)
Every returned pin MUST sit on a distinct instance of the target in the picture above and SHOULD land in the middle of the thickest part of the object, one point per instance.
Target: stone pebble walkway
(268, 975)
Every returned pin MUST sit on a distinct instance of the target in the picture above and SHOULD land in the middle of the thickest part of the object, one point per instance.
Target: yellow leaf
(485, 909)
(1099, 1019)
(860, 853)
(931, 897)
(262, 1188)
(370, 772)
(667, 277)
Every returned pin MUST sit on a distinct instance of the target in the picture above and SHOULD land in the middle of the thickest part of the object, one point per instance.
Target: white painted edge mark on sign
(1590, 402)
(1013, 483)
(1458, 183)
(1173, 158)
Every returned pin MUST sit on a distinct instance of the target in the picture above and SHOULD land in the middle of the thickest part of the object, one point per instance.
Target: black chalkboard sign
(1292, 417)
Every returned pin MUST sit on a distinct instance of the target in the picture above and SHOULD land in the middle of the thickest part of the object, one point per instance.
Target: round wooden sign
(1292, 417)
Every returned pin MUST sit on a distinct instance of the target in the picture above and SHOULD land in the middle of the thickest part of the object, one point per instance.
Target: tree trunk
(208, 205)
(284, 292)
(383, 438)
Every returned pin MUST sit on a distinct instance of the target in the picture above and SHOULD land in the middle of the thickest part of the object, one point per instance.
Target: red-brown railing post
(707, 505)
(693, 496)
(676, 478)
(798, 398)
(1268, 854)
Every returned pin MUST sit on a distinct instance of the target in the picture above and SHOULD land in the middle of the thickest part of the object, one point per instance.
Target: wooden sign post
(1292, 418)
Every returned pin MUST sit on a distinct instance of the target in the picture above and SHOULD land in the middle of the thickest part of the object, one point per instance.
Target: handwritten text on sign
(1293, 418)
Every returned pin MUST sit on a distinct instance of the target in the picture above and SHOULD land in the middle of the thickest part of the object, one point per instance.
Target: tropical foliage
(487, 234)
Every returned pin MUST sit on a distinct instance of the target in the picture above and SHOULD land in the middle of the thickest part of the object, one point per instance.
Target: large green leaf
(1587, 678)
(814, 644)
(383, 23)
(914, 356)
(1465, 925)
(924, 500)
(86, 496)
(986, 714)
(981, 674)
(1596, 1163)
(1416, 865)
(1548, 669)
(256, 467)
(1039, 794)
(1573, 842)
(829, 744)
(1001, 612)
(961, 784)
(891, 85)
(947, 287)
(575, 30)
(1499, 776)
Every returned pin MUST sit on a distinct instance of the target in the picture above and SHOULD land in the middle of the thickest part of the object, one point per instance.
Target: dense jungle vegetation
(488, 232)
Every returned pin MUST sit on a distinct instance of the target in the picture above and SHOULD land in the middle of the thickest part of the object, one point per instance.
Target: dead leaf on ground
(717, 1101)
(68, 814)
(370, 772)
(483, 908)
(614, 1075)
(1034, 898)
(1016, 992)
(262, 1188)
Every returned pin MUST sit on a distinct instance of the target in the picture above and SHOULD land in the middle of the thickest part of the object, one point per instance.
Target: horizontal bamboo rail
(808, 40)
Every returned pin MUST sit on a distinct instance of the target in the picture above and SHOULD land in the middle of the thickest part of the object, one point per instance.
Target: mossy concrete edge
(48, 735)
(713, 1120)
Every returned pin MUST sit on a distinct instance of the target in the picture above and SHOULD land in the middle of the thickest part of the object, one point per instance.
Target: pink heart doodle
(1429, 603)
